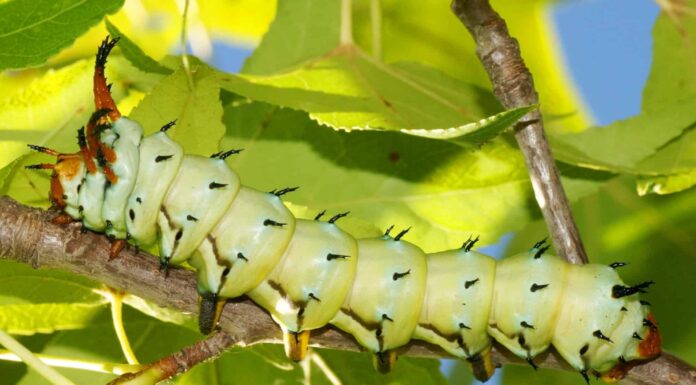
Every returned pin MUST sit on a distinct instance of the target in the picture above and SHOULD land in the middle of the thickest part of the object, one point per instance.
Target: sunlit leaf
(33, 30)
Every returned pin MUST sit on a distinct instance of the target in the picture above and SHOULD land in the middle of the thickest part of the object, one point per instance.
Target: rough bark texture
(513, 86)
(27, 235)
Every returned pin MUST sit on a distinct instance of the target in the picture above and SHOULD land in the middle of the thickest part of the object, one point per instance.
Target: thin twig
(376, 28)
(26, 235)
(513, 86)
(51, 375)
(75, 363)
(184, 42)
(115, 299)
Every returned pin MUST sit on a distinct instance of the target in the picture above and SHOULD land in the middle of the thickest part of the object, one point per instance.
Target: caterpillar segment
(307, 274)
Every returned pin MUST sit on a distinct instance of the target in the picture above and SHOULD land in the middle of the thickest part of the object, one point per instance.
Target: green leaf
(198, 111)
(672, 76)
(33, 30)
(302, 30)
(620, 146)
(49, 317)
(676, 161)
(134, 54)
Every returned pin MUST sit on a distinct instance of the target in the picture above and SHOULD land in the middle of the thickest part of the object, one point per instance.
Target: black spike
(214, 185)
(623, 308)
(619, 291)
(242, 257)
(108, 86)
(462, 325)
(585, 376)
(321, 214)
(645, 303)
(34, 167)
(314, 297)
(531, 362)
(167, 126)
(103, 51)
(338, 216)
(131, 214)
(541, 252)
(191, 218)
(331, 256)
(226, 154)
(539, 244)
(598, 333)
(161, 158)
(98, 114)
(139, 200)
(648, 323)
(101, 128)
(469, 243)
(271, 222)
(386, 233)
(100, 157)
(524, 324)
(636, 336)
(386, 318)
(584, 349)
(284, 191)
(618, 264)
(81, 139)
(401, 234)
(468, 284)
(536, 287)
(396, 276)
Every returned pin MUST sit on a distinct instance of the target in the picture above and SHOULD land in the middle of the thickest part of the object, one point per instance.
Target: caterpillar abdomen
(309, 273)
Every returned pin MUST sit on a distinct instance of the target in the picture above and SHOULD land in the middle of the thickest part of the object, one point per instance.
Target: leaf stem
(346, 36)
(115, 299)
(325, 368)
(72, 363)
(23, 354)
(376, 25)
(184, 47)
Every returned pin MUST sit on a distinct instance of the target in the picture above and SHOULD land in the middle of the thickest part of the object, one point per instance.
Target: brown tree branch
(27, 235)
(513, 86)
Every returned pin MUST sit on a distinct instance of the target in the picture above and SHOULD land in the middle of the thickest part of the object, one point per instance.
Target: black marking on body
(536, 287)
(644, 303)
(167, 126)
(338, 216)
(452, 338)
(525, 325)
(164, 212)
(131, 214)
(522, 341)
(598, 333)
(619, 291)
(216, 185)
(618, 264)
(242, 257)
(584, 375)
(162, 158)
(648, 323)
(469, 243)
(386, 318)
(462, 325)
(584, 349)
(191, 218)
(636, 336)
(225, 154)
(331, 256)
(65, 197)
(401, 234)
(386, 233)
(220, 261)
(623, 308)
(471, 283)
(271, 222)
(139, 200)
(80, 208)
(398, 275)
(530, 361)
(79, 187)
(299, 305)
(539, 244)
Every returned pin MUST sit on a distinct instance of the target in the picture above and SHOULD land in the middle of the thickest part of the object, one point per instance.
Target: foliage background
(393, 177)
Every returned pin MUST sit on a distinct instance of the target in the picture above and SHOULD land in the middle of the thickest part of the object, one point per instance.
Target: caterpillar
(309, 273)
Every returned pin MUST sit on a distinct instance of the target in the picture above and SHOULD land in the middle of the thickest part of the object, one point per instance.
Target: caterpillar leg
(210, 310)
(296, 344)
(482, 365)
(384, 361)
(117, 246)
(62, 219)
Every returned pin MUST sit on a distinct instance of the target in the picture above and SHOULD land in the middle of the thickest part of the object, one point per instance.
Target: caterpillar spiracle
(309, 273)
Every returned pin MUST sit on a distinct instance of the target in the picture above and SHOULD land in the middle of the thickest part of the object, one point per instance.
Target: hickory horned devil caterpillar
(309, 273)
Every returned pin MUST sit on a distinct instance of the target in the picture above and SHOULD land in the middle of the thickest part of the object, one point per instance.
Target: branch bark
(27, 235)
(513, 86)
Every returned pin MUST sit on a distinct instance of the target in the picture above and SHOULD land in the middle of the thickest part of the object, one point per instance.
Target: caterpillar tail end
(296, 344)
(210, 309)
(649, 348)
(482, 365)
(384, 361)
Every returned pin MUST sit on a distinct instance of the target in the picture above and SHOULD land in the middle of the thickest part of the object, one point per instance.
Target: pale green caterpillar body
(309, 273)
